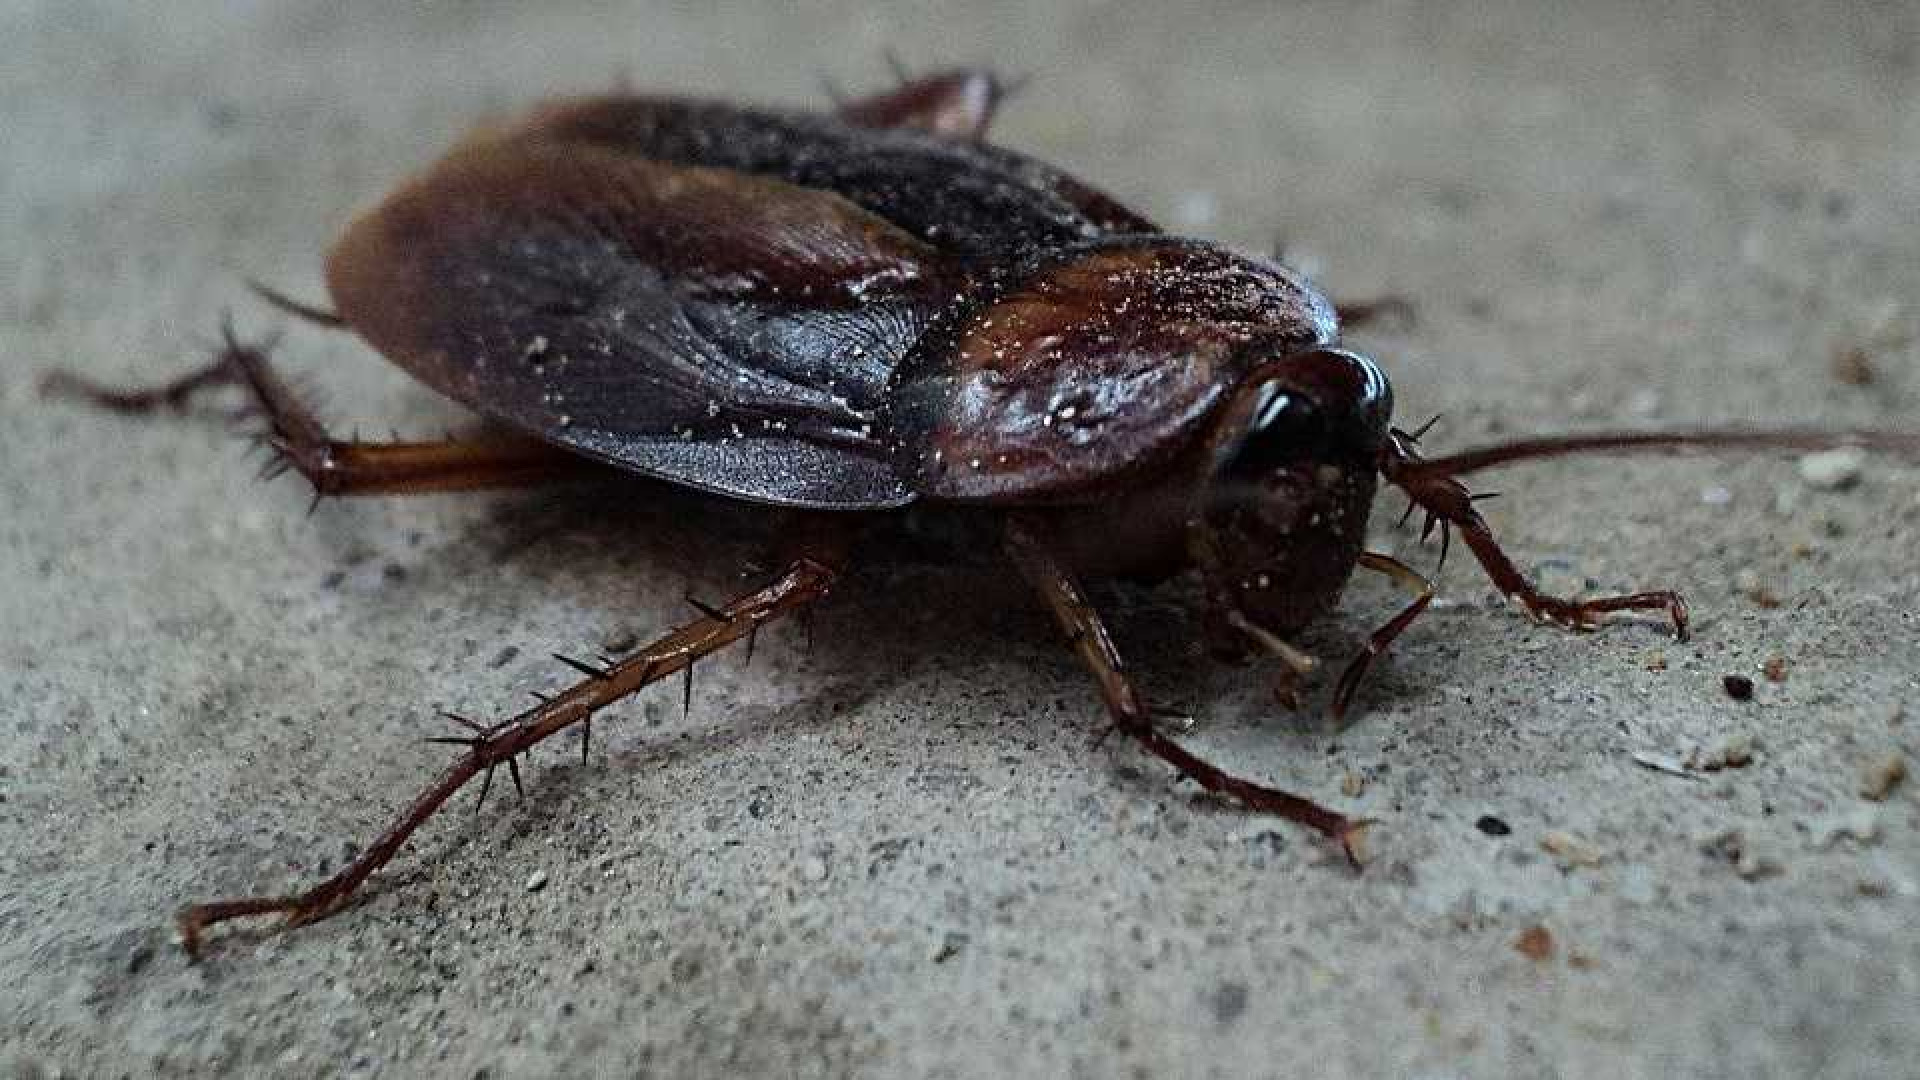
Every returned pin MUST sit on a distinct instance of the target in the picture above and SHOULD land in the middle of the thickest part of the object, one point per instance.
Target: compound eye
(1281, 412)
(1281, 428)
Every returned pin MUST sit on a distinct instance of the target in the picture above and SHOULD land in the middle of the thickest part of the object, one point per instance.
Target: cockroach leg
(1378, 641)
(288, 305)
(1393, 310)
(342, 467)
(804, 582)
(958, 103)
(1088, 634)
(1434, 485)
(1448, 502)
(1296, 662)
(173, 394)
(335, 466)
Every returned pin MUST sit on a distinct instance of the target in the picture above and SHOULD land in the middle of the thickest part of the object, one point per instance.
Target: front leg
(1448, 503)
(1088, 634)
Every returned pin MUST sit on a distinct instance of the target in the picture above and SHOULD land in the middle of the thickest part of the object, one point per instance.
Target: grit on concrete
(902, 852)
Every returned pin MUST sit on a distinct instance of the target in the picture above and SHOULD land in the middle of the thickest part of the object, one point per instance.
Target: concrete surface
(901, 853)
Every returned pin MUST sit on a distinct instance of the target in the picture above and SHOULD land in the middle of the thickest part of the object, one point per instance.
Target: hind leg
(488, 747)
(336, 466)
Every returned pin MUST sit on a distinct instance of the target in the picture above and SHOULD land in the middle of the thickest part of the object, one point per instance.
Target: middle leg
(1088, 634)
(958, 103)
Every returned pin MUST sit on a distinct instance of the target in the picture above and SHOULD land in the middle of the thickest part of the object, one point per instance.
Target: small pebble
(1775, 669)
(1881, 775)
(1662, 763)
(537, 881)
(1492, 826)
(1861, 826)
(1725, 844)
(620, 639)
(1831, 470)
(1731, 752)
(1853, 365)
(1738, 687)
(1755, 867)
(814, 870)
(1535, 943)
(1351, 784)
(1732, 845)
(1571, 849)
(950, 946)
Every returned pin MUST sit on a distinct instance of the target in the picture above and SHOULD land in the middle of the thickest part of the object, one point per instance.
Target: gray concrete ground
(901, 853)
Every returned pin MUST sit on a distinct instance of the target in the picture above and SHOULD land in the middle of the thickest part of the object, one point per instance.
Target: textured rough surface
(901, 852)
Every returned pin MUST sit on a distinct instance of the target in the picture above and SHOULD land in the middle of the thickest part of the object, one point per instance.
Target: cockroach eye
(1325, 405)
(1291, 488)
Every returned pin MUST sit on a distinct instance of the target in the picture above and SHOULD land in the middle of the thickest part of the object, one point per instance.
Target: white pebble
(537, 881)
(1861, 826)
(1831, 470)
(1730, 752)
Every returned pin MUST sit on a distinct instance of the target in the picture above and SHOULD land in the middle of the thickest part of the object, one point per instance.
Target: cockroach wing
(722, 330)
(961, 196)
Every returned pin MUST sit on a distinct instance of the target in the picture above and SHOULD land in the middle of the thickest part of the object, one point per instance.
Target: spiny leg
(804, 582)
(1433, 484)
(1378, 641)
(1448, 502)
(336, 466)
(1088, 634)
(343, 467)
(958, 103)
(173, 394)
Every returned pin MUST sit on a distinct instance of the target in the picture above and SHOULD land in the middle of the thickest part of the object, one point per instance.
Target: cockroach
(868, 310)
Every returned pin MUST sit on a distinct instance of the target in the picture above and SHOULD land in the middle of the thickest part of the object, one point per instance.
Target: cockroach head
(1293, 459)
